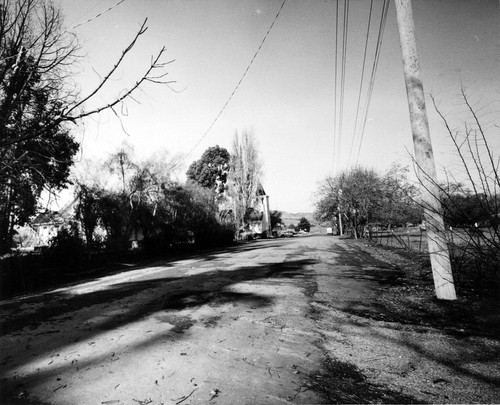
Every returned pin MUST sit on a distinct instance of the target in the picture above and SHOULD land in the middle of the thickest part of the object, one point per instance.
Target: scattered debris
(214, 393)
(143, 402)
(182, 399)
(440, 380)
(61, 386)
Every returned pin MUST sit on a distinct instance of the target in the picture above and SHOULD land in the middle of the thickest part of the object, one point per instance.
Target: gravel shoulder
(396, 341)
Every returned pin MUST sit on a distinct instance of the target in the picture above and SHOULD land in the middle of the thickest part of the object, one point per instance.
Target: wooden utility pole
(426, 171)
(340, 215)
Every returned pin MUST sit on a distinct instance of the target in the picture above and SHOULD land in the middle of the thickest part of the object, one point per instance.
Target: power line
(98, 15)
(383, 19)
(88, 11)
(235, 89)
(335, 88)
(362, 82)
(342, 77)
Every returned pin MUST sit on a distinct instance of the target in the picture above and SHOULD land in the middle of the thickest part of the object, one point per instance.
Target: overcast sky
(287, 96)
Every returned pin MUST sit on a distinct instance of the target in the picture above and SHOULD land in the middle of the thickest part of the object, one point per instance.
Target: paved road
(229, 327)
(255, 324)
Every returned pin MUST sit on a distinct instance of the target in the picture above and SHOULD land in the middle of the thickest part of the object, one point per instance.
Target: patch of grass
(343, 383)
(410, 298)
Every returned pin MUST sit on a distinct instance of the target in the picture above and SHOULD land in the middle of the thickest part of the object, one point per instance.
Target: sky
(287, 97)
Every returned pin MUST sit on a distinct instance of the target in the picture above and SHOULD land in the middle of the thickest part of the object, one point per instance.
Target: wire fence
(474, 252)
(406, 238)
(415, 238)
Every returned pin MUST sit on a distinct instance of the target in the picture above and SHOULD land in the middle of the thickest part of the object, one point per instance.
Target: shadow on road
(31, 275)
(122, 304)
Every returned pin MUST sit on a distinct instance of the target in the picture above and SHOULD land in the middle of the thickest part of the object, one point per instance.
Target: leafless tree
(245, 174)
(32, 32)
(39, 101)
(471, 196)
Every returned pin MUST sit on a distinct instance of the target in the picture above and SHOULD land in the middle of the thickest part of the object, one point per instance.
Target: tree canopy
(362, 197)
(245, 174)
(303, 225)
(400, 198)
(33, 52)
(276, 219)
(211, 170)
(38, 102)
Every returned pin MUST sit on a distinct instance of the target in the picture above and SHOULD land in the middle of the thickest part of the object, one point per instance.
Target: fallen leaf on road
(143, 402)
(182, 399)
(214, 393)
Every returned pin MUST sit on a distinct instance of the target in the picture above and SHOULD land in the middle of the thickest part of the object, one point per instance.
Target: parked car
(287, 233)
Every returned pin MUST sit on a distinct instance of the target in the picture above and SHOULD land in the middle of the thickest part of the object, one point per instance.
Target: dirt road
(269, 322)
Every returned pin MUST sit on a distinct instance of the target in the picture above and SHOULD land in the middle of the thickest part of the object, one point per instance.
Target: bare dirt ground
(312, 319)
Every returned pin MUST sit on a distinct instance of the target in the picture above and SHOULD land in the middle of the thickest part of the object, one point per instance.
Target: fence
(416, 238)
(404, 238)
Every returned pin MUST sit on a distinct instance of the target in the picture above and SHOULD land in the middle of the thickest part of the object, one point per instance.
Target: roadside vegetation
(387, 208)
(40, 104)
(129, 210)
(123, 207)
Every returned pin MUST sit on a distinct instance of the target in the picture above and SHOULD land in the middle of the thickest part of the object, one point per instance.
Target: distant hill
(294, 218)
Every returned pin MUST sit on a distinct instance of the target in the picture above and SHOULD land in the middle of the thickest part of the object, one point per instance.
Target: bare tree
(471, 196)
(122, 163)
(38, 101)
(355, 194)
(245, 174)
(32, 35)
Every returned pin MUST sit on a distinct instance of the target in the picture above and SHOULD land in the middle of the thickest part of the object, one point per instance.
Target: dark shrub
(66, 249)
(214, 235)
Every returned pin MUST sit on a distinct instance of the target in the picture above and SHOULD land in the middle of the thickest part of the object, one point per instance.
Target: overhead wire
(342, 77)
(383, 20)
(98, 15)
(335, 87)
(88, 11)
(235, 89)
(361, 82)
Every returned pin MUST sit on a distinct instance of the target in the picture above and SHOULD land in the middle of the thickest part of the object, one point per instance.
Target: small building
(262, 224)
(47, 224)
(257, 218)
